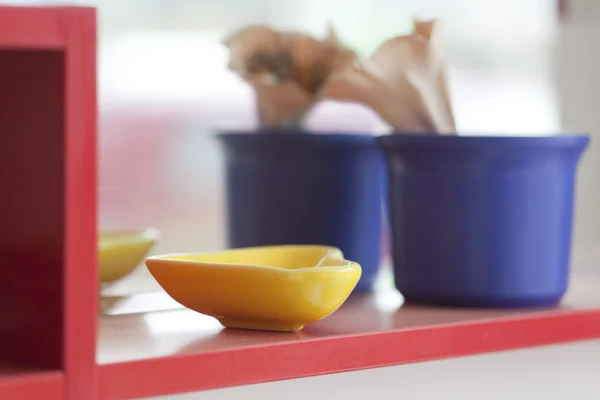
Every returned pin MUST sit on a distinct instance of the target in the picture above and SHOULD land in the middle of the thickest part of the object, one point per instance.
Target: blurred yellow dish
(279, 288)
(120, 252)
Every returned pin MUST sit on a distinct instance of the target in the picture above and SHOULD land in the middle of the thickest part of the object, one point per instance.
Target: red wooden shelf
(21, 383)
(48, 289)
(151, 354)
(33, 28)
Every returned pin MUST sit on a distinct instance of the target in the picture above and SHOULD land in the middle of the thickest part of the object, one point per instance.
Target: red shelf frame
(33, 28)
(138, 353)
(49, 287)
(23, 383)
(48, 291)
(288, 360)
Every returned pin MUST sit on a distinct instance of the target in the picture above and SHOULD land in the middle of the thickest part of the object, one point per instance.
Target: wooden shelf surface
(154, 353)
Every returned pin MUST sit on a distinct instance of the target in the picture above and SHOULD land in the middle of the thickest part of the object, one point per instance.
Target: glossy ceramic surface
(482, 221)
(279, 288)
(120, 252)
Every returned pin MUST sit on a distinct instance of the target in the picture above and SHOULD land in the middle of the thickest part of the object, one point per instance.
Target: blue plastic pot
(482, 221)
(306, 188)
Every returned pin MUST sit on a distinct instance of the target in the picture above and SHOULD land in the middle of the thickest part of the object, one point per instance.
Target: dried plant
(404, 80)
(287, 70)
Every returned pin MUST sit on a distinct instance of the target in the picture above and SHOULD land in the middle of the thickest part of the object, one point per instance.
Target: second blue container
(482, 221)
(306, 188)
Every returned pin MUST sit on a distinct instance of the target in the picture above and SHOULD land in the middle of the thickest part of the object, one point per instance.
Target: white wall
(578, 83)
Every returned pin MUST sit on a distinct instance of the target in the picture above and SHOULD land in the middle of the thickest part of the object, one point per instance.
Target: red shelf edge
(32, 386)
(275, 362)
(31, 28)
(80, 284)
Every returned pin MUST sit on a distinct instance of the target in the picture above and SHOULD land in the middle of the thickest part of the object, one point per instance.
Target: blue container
(306, 188)
(482, 221)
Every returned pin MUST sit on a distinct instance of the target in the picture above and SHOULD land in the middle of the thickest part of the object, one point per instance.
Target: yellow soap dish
(278, 288)
(120, 252)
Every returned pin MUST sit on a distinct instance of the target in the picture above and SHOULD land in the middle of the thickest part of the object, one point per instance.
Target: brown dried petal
(403, 109)
(276, 64)
(424, 28)
(430, 29)
(394, 57)
(258, 49)
(306, 52)
(286, 70)
(403, 81)
(281, 104)
(314, 60)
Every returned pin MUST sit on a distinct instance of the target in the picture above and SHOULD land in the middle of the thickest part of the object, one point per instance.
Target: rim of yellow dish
(332, 253)
(130, 236)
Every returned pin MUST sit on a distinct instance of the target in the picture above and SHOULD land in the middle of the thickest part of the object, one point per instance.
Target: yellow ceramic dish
(120, 252)
(278, 288)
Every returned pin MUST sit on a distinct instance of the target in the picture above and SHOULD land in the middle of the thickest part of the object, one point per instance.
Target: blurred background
(516, 67)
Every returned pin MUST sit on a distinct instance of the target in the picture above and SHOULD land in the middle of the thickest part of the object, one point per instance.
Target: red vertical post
(81, 277)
